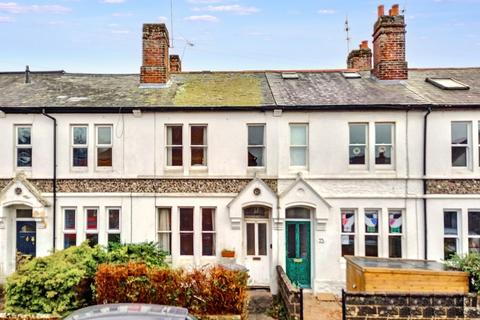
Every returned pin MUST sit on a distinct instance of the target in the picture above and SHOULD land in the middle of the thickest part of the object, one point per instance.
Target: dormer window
(447, 84)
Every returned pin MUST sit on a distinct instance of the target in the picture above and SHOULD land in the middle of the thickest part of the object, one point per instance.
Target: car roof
(130, 311)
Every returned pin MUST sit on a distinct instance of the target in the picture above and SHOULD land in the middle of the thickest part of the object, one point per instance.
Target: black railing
(344, 305)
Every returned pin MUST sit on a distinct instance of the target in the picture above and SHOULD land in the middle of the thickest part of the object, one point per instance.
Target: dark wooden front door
(27, 238)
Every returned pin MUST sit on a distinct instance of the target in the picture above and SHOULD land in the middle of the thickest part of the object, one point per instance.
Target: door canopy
(21, 192)
(255, 193)
(302, 194)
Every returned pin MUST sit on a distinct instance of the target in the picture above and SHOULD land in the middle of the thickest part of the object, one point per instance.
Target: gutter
(425, 224)
(259, 108)
(54, 179)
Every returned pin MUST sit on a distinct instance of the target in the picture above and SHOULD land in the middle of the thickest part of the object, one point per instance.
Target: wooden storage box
(402, 276)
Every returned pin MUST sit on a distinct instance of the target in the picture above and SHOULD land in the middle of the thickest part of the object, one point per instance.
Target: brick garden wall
(290, 295)
(363, 306)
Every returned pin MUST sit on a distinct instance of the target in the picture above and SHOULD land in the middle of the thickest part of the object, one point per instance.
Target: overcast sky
(104, 36)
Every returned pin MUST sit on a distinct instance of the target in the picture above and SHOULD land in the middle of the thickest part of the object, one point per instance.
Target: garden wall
(291, 296)
(363, 306)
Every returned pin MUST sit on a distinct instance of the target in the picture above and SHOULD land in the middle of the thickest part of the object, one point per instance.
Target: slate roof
(316, 89)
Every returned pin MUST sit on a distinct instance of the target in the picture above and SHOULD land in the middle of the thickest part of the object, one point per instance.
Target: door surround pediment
(21, 192)
(301, 194)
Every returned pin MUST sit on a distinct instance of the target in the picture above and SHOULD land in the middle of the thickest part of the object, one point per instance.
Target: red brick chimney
(360, 59)
(389, 61)
(155, 68)
(175, 63)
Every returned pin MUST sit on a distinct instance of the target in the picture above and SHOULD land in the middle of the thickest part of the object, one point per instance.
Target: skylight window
(447, 84)
(351, 75)
(289, 75)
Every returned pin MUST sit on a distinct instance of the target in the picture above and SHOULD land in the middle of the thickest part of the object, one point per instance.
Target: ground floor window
(450, 231)
(348, 232)
(371, 233)
(91, 224)
(208, 232)
(395, 233)
(69, 228)
(113, 231)
(186, 232)
(474, 231)
(164, 229)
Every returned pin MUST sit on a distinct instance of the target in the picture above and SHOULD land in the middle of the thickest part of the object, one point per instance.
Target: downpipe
(54, 179)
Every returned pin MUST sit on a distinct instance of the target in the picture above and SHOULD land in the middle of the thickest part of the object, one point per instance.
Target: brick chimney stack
(155, 69)
(389, 62)
(175, 63)
(360, 59)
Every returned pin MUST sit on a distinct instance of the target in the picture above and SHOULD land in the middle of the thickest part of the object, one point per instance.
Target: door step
(260, 300)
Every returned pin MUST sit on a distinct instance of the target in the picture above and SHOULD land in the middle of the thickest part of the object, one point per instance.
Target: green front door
(298, 253)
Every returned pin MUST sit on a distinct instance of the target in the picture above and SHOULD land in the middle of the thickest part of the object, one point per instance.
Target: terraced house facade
(293, 168)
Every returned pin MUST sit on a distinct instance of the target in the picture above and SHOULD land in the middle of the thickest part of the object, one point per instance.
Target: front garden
(136, 273)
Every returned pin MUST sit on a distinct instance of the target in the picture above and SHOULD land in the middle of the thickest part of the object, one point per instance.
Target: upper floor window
(358, 143)
(174, 145)
(348, 232)
(298, 145)
(460, 144)
(79, 146)
(198, 145)
(23, 144)
(256, 145)
(383, 143)
(450, 233)
(104, 146)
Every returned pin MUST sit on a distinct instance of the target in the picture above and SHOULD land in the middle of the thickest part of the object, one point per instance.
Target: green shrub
(63, 281)
(469, 263)
(54, 284)
(148, 253)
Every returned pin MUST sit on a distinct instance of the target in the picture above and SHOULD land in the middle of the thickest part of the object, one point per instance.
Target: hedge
(207, 291)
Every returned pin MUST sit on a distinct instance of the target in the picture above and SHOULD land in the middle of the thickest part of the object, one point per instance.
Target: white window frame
(214, 232)
(79, 146)
(114, 231)
(23, 146)
(180, 232)
(86, 220)
(467, 146)
(305, 147)
(391, 145)
(99, 145)
(203, 146)
(377, 234)
(401, 235)
(263, 146)
(452, 236)
(350, 144)
(354, 233)
(69, 231)
(468, 229)
(171, 146)
(169, 232)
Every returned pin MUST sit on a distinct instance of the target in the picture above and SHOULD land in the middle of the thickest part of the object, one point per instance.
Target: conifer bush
(63, 281)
